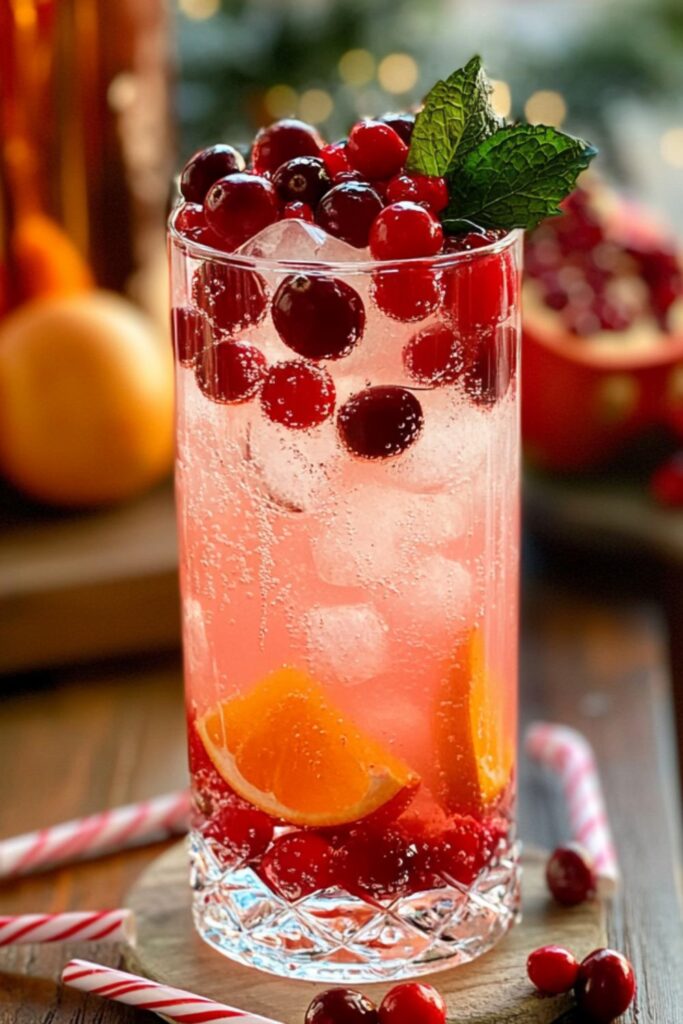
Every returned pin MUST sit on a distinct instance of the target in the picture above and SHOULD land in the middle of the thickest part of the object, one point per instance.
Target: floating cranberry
(230, 371)
(380, 421)
(480, 291)
(241, 831)
(404, 230)
(552, 969)
(303, 178)
(407, 293)
(341, 1006)
(434, 356)
(297, 865)
(376, 866)
(297, 395)
(239, 206)
(318, 317)
(666, 484)
(188, 333)
(298, 211)
(489, 361)
(605, 986)
(348, 210)
(463, 850)
(402, 124)
(282, 141)
(570, 875)
(205, 168)
(336, 159)
(376, 149)
(412, 1003)
(231, 297)
(190, 222)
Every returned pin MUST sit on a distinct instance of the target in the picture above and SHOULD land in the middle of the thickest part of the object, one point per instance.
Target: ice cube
(347, 642)
(294, 468)
(298, 241)
(432, 600)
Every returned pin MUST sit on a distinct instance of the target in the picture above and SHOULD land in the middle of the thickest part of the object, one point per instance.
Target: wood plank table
(78, 740)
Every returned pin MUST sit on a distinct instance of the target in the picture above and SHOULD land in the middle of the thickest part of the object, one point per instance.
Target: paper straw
(172, 1003)
(569, 754)
(108, 832)
(83, 926)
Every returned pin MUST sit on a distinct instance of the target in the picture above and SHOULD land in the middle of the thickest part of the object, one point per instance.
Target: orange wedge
(476, 757)
(286, 749)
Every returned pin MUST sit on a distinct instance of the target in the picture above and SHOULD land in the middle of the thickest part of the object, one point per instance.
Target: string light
(671, 147)
(546, 107)
(356, 67)
(199, 10)
(315, 105)
(397, 73)
(281, 101)
(501, 98)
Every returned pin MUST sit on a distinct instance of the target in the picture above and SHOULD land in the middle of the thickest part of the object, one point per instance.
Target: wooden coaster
(492, 990)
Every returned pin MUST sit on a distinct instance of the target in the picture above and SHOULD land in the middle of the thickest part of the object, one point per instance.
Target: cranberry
(298, 211)
(412, 1003)
(231, 297)
(470, 240)
(570, 875)
(230, 371)
(241, 831)
(407, 293)
(432, 191)
(302, 178)
(405, 230)
(490, 357)
(190, 222)
(282, 141)
(297, 865)
(463, 850)
(376, 865)
(335, 158)
(318, 317)
(209, 789)
(402, 124)
(666, 484)
(348, 210)
(352, 175)
(297, 395)
(480, 291)
(341, 1006)
(205, 168)
(605, 986)
(434, 355)
(402, 188)
(188, 333)
(239, 206)
(552, 969)
(376, 149)
(380, 421)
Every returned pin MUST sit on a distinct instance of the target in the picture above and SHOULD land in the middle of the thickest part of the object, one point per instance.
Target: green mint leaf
(516, 177)
(456, 117)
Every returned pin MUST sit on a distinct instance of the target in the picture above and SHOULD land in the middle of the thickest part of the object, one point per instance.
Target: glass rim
(341, 267)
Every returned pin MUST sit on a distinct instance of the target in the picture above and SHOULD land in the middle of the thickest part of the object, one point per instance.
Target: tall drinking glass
(347, 490)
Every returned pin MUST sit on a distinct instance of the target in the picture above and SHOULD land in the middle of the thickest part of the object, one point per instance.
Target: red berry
(232, 298)
(470, 240)
(303, 178)
(412, 1003)
(402, 124)
(188, 333)
(405, 230)
(376, 149)
(401, 188)
(376, 865)
(431, 192)
(281, 141)
(241, 831)
(205, 168)
(347, 212)
(666, 484)
(434, 356)
(407, 293)
(209, 789)
(380, 421)
(552, 969)
(298, 211)
(335, 158)
(570, 875)
(230, 371)
(605, 986)
(463, 850)
(297, 395)
(352, 175)
(489, 363)
(341, 1006)
(239, 206)
(297, 865)
(318, 317)
(190, 222)
(480, 291)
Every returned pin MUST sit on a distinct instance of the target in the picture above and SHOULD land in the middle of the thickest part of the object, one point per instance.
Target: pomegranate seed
(407, 293)
(298, 211)
(380, 421)
(434, 356)
(297, 865)
(205, 168)
(552, 969)
(318, 317)
(570, 875)
(190, 222)
(230, 371)
(341, 1006)
(303, 178)
(188, 333)
(480, 291)
(666, 484)
(231, 298)
(403, 231)
(402, 188)
(297, 395)
(241, 831)
(282, 141)
(335, 158)
(239, 206)
(376, 865)
(412, 1003)
(490, 364)
(402, 124)
(376, 149)
(605, 986)
(348, 210)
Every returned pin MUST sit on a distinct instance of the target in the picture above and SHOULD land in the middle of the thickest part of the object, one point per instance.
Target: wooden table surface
(79, 740)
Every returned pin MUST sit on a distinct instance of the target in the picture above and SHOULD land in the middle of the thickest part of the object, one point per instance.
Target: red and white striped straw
(569, 754)
(82, 926)
(172, 1003)
(107, 832)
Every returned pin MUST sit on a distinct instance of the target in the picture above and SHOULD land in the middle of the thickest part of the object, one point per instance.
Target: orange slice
(476, 756)
(286, 749)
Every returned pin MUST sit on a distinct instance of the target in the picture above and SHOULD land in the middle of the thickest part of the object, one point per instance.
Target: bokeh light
(671, 147)
(398, 73)
(315, 105)
(546, 107)
(281, 101)
(356, 67)
(501, 98)
(199, 10)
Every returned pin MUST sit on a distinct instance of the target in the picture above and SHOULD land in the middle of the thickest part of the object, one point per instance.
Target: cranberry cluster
(604, 983)
(409, 1003)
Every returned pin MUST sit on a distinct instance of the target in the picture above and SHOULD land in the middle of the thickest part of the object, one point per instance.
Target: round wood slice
(492, 989)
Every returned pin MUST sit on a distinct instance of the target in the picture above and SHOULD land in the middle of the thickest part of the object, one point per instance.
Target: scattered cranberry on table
(605, 985)
(341, 1006)
(570, 875)
(413, 1003)
(552, 969)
